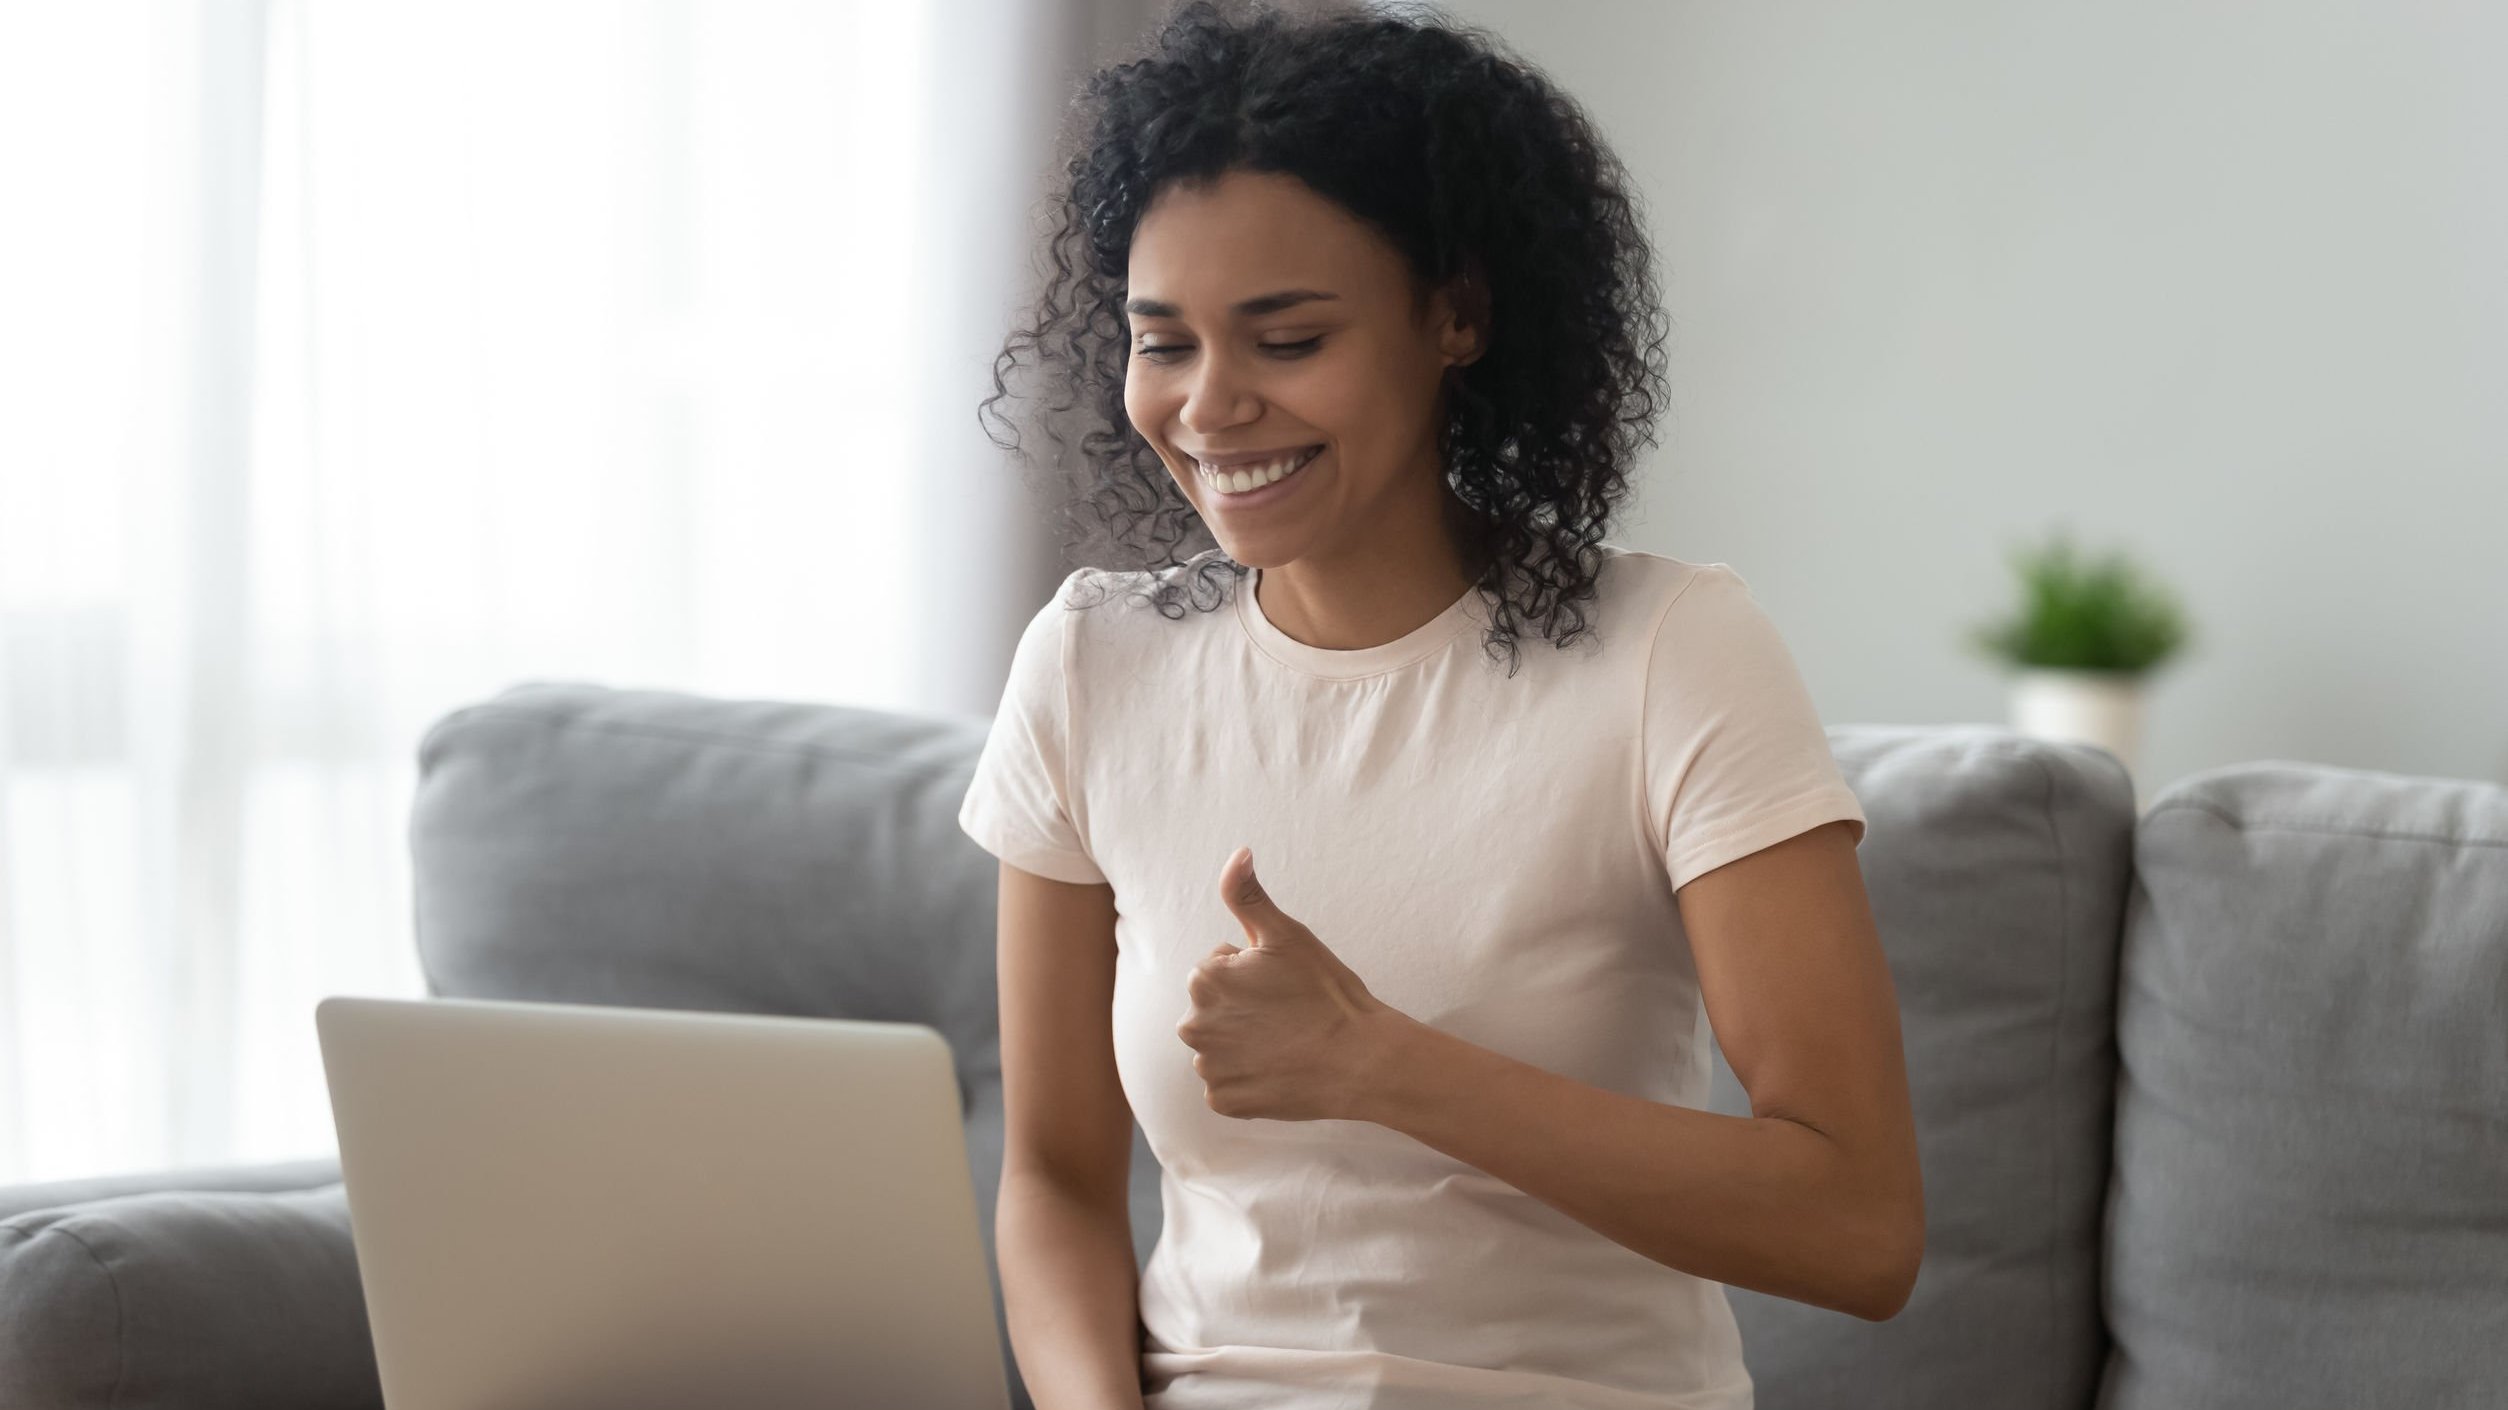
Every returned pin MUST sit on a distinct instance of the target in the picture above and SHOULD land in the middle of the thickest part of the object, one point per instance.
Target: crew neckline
(1297, 655)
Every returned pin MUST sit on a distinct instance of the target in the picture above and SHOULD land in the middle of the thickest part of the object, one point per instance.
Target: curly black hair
(1471, 162)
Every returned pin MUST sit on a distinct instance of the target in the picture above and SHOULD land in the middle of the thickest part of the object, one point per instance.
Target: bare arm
(1062, 1235)
(1816, 1197)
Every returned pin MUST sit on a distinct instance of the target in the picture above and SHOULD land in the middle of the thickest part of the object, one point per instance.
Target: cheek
(1363, 385)
(1144, 407)
(1352, 393)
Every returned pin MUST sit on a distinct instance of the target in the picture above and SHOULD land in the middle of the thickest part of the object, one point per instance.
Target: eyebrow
(1248, 308)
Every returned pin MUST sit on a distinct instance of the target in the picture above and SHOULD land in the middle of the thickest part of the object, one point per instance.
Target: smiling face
(1268, 319)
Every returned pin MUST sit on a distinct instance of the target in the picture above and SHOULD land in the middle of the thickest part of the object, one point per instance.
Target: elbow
(1890, 1279)
(1886, 1298)
(1878, 1220)
(1892, 1235)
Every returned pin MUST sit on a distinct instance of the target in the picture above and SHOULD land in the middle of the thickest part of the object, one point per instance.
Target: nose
(1216, 397)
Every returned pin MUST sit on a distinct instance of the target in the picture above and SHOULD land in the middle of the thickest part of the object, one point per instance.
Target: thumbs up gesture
(1279, 1027)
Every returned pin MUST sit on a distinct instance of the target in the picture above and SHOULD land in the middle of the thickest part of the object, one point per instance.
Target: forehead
(1201, 248)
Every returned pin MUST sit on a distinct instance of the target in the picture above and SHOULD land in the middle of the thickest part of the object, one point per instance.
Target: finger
(1245, 896)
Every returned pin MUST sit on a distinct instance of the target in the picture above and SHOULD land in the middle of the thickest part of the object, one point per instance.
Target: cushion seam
(121, 1321)
(2055, 1061)
(773, 746)
(2334, 826)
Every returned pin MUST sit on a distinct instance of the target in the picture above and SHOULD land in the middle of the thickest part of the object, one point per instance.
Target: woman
(1363, 314)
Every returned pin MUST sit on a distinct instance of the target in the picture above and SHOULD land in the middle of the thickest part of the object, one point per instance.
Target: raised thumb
(1243, 893)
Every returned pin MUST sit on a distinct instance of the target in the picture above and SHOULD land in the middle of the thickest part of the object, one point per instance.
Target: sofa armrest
(209, 1300)
(265, 1177)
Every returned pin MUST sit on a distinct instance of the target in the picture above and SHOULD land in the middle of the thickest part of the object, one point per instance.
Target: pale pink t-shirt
(1496, 858)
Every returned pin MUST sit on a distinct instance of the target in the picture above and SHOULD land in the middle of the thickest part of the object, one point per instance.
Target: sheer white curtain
(357, 361)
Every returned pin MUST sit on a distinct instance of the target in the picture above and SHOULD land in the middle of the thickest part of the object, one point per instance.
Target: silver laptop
(563, 1207)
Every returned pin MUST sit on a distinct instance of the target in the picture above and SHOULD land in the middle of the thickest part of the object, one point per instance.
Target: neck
(1410, 567)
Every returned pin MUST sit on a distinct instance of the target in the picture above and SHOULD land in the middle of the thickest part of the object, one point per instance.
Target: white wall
(2222, 284)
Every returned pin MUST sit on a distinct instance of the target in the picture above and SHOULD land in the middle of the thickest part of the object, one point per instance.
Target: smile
(1246, 479)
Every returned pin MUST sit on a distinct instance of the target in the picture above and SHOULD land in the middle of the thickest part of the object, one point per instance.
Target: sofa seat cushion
(2310, 1200)
(186, 1300)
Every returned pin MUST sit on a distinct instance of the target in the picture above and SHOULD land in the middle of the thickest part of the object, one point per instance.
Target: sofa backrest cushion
(1997, 865)
(580, 844)
(2310, 1203)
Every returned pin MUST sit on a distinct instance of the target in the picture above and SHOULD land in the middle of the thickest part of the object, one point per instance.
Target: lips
(1258, 464)
(1238, 500)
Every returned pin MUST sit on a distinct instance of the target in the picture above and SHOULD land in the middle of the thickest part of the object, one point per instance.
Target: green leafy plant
(2083, 614)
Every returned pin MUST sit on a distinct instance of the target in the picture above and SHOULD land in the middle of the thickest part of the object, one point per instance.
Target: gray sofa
(2213, 1100)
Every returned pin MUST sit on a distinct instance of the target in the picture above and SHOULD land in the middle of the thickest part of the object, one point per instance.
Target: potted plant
(2089, 632)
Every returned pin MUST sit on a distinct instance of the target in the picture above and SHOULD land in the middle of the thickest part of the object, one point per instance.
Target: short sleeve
(1018, 805)
(1736, 758)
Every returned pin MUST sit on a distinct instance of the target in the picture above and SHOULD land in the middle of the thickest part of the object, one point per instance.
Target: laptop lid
(561, 1207)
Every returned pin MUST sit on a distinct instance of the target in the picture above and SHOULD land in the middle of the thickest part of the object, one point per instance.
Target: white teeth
(1239, 480)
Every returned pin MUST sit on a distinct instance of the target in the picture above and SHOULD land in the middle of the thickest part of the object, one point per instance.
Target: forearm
(1754, 1202)
(1071, 1294)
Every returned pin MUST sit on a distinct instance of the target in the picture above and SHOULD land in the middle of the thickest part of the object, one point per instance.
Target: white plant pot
(2089, 707)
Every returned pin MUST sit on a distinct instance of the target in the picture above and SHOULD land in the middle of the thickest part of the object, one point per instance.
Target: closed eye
(1299, 349)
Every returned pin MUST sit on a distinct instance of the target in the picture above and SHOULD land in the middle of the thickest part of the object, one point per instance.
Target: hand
(1279, 1027)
